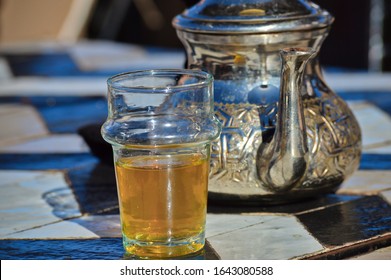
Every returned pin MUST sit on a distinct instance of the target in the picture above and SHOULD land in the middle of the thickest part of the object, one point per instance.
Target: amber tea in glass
(160, 125)
(163, 199)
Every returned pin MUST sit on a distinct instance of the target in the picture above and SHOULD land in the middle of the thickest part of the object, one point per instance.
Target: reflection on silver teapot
(286, 135)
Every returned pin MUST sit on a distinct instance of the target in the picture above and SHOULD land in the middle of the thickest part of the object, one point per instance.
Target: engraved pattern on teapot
(322, 139)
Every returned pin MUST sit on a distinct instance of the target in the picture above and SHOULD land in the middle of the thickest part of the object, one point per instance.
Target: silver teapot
(286, 135)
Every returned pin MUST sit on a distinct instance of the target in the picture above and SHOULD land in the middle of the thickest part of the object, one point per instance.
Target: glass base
(163, 250)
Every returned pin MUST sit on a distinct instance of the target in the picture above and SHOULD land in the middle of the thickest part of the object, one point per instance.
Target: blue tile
(87, 249)
(42, 64)
(63, 114)
(12, 99)
(45, 161)
(353, 221)
(380, 99)
(105, 248)
(375, 162)
(95, 188)
(68, 114)
(49, 65)
(219, 207)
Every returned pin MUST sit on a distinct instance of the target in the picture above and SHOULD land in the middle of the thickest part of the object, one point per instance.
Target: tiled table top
(58, 201)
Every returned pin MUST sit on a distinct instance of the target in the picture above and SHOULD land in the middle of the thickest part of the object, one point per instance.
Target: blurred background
(360, 37)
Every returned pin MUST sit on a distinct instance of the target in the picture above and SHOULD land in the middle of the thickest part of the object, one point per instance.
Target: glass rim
(204, 79)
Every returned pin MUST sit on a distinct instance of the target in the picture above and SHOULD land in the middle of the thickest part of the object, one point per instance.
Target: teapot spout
(282, 164)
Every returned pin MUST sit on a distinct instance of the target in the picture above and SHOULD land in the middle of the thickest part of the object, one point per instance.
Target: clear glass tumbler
(160, 124)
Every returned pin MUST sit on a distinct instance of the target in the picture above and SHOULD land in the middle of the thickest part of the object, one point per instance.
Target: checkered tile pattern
(59, 201)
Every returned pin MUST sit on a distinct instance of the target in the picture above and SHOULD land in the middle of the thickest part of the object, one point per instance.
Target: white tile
(5, 70)
(88, 55)
(34, 47)
(57, 230)
(55, 143)
(101, 225)
(355, 81)
(217, 224)
(42, 86)
(261, 238)
(30, 199)
(105, 55)
(383, 149)
(374, 124)
(109, 55)
(19, 122)
(367, 182)
(380, 254)
(387, 195)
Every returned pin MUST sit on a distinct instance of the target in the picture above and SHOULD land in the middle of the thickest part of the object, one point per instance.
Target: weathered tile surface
(76, 228)
(101, 225)
(30, 199)
(64, 114)
(19, 123)
(387, 196)
(46, 161)
(58, 230)
(39, 64)
(77, 249)
(292, 208)
(53, 187)
(84, 249)
(55, 143)
(373, 122)
(95, 188)
(27, 86)
(381, 149)
(367, 182)
(375, 162)
(380, 254)
(105, 55)
(5, 71)
(350, 222)
(259, 237)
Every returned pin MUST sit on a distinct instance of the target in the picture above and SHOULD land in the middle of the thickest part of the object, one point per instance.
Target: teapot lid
(252, 16)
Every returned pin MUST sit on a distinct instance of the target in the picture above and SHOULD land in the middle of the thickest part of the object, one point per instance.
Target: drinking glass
(160, 124)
